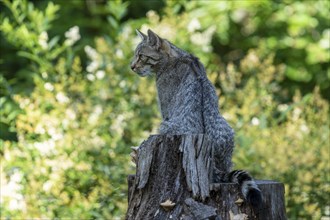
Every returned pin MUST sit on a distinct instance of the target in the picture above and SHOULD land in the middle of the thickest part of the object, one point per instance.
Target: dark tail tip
(254, 197)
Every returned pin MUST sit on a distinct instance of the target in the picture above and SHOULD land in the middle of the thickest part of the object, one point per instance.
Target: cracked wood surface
(179, 169)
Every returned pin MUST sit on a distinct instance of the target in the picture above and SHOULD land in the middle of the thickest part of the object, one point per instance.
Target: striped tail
(249, 188)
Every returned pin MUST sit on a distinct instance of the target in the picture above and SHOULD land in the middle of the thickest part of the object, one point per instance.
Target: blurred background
(71, 107)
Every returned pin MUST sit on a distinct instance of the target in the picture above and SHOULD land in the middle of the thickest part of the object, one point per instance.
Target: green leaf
(299, 74)
(51, 10)
(113, 22)
(34, 57)
(53, 42)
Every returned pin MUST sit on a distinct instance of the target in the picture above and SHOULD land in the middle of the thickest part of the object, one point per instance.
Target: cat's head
(151, 53)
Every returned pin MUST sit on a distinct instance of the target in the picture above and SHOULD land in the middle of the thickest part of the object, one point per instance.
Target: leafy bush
(71, 107)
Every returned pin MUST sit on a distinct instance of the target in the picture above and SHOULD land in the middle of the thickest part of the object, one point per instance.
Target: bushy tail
(249, 188)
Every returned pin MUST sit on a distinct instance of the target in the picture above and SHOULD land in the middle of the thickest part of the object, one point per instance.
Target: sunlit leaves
(66, 138)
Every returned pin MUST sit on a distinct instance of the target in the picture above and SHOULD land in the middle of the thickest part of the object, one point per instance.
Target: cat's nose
(133, 66)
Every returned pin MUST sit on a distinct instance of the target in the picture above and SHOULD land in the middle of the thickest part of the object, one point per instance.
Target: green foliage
(71, 107)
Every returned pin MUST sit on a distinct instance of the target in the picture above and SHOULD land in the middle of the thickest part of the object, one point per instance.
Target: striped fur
(189, 104)
(249, 188)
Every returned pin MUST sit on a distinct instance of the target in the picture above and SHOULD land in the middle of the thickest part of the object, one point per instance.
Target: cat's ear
(154, 39)
(141, 35)
(159, 43)
(166, 47)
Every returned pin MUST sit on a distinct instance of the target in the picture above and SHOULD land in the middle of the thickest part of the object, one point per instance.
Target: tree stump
(173, 181)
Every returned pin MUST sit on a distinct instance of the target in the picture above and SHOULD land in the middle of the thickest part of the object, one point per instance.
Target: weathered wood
(179, 169)
(199, 210)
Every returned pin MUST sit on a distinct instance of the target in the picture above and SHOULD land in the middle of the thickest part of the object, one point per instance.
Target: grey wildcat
(189, 104)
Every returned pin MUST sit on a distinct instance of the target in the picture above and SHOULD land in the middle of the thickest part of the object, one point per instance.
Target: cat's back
(175, 85)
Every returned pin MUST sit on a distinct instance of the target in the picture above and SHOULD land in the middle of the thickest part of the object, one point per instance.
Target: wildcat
(189, 104)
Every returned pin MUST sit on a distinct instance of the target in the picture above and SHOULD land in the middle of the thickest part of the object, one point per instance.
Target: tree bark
(180, 169)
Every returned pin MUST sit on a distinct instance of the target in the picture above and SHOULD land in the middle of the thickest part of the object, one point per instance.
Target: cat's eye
(142, 57)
